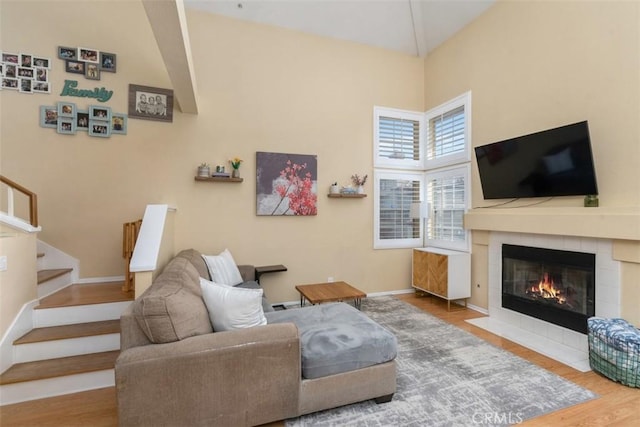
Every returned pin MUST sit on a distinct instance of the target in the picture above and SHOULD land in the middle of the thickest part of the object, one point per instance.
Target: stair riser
(32, 390)
(54, 285)
(67, 347)
(78, 314)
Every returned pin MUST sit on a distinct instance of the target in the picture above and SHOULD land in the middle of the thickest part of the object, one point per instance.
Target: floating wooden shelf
(218, 179)
(347, 196)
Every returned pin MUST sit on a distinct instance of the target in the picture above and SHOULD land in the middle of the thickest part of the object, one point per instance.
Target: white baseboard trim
(106, 279)
(478, 309)
(21, 324)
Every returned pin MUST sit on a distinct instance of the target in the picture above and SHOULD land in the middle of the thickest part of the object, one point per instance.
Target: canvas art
(286, 184)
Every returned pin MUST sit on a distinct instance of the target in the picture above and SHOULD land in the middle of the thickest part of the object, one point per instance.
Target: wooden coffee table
(330, 292)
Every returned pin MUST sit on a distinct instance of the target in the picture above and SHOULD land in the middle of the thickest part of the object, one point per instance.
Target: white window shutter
(399, 137)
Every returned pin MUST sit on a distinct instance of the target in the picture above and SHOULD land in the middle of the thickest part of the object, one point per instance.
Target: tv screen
(554, 162)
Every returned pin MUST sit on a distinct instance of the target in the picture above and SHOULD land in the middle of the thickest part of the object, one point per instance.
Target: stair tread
(40, 254)
(86, 293)
(49, 274)
(52, 368)
(78, 330)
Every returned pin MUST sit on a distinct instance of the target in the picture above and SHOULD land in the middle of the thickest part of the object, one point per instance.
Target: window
(394, 195)
(422, 157)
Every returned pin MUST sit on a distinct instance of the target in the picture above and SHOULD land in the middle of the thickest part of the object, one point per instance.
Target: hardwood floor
(617, 405)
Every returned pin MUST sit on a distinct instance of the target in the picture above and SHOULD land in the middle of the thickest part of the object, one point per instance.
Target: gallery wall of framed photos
(96, 120)
(25, 72)
(86, 61)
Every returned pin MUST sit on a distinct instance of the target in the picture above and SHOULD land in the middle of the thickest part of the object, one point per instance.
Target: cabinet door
(437, 277)
(420, 269)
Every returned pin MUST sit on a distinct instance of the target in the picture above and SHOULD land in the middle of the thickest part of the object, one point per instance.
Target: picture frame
(88, 55)
(66, 126)
(9, 83)
(91, 71)
(67, 53)
(25, 72)
(11, 58)
(99, 112)
(26, 60)
(41, 74)
(39, 61)
(10, 70)
(82, 120)
(108, 62)
(1, 69)
(119, 123)
(41, 87)
(66, 109)
(76, 67)
(26, 86)
(99, 128)
(141, 108)
(49, 116)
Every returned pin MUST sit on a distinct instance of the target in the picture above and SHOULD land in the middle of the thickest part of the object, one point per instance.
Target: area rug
(450, 377)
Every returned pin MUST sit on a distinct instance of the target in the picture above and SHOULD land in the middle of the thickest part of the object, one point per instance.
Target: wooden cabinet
(442, 272)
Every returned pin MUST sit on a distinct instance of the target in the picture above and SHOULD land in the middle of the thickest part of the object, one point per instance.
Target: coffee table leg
(357, 303)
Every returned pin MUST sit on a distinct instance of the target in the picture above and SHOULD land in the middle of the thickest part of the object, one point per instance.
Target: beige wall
(540, 64)
(259, 89)
(18, 282)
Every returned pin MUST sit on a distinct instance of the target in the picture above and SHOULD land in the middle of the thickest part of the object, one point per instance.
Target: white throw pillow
(232, 308)
(223, 268)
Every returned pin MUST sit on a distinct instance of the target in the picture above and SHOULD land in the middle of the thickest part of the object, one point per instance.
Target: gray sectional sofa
(175, 370)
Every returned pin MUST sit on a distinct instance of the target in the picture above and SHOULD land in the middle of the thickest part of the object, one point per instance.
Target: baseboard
(22, 323)
(106, 279)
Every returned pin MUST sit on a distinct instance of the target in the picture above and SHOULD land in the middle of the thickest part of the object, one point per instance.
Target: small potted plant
(359, 182)
(204, 170)
(235, 165)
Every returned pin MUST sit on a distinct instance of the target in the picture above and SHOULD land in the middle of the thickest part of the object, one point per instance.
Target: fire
(547, 289)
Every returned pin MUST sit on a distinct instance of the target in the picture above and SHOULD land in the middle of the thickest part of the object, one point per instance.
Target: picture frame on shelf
(91, 71)
(66, 109)
(67, 53)
(72, 66)
(49, 116)
(88, 55)
(99, 112)
(66, 126)
(99, 128)
(119, 123)
(108, 62)
(141, 106)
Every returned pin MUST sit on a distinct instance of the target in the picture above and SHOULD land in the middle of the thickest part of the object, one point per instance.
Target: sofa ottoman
(337, 338)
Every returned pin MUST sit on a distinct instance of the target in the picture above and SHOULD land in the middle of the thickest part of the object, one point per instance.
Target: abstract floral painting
(286, 184)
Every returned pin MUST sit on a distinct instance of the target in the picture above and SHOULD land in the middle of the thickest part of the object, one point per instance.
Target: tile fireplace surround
(557, 342)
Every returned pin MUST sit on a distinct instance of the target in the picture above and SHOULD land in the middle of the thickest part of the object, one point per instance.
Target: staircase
(74, 343)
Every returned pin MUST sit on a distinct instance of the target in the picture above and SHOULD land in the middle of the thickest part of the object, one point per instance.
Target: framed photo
(12, 58)
(25, 73)
(92, 71)
(66, 109)
(67, 53)
(108, 62)
(26, 60)
(99, 128)
(82, 120)
(88, 55)
(11, 70)
(66, 126)
(41, 87)
(26, 85)
(41, 74)
(41, 62)
(119, 123)
(49, 116)
(1, 69)
(99, 113)
(76, 67)
(9, 83)
(150, 103)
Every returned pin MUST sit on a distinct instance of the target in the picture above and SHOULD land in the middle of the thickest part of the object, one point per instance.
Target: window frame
(464, 101)
(386, 162)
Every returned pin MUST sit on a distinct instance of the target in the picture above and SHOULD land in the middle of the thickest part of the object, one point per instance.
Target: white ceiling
(415, 27)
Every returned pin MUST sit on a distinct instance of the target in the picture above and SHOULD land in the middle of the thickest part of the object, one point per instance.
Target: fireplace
(552, 285)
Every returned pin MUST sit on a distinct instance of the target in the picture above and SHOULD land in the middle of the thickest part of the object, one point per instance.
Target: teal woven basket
(614, 350)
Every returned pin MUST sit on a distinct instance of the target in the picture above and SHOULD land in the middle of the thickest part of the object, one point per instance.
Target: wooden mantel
(600, 222)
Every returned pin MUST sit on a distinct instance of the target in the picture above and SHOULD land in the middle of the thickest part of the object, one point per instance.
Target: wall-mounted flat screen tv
(554, 162)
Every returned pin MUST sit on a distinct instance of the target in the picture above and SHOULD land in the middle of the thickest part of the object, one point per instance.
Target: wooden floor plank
(52, 368)
(78, 330)
(46, 275)
(86, 293)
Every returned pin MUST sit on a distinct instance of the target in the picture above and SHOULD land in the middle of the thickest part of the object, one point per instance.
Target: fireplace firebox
(552, 285)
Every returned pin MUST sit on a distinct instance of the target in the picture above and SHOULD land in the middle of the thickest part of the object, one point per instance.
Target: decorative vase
(235, 173)
(334, 189)
(360, 189)
(204, 171)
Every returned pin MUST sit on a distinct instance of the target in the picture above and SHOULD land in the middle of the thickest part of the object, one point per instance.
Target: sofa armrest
(248, 272)
(243, 377)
